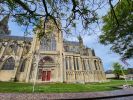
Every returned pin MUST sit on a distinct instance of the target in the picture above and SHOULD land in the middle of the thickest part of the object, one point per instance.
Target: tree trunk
(117, 76)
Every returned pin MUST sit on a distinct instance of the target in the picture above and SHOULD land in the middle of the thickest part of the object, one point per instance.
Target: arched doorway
(44, 68)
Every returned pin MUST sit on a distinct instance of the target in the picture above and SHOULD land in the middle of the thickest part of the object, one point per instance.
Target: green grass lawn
(61, 87)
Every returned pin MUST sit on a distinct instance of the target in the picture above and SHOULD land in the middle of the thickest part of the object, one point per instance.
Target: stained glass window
(48, 43)
(9, 64)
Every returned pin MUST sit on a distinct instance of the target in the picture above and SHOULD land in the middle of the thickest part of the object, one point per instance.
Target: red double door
(46, 75)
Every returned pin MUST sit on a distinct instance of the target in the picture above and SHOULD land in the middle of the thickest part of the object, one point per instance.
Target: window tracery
(46, 59)
(48, 43)
(9, 64)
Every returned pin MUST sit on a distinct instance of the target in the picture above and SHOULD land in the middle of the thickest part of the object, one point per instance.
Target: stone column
(101, 66)
(97, 72)
(80, 64)
(102, 69)
(92, 69)
(84, 67)
(93, 65)
(81, 69)
(87, 65)
(98, 67)
(18, 61)
(73, 71)
(33, 48)
(64, 68)
(90, 65)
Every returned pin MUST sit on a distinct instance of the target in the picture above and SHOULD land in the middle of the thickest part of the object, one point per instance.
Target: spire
(80, 39)
(4, 26)
(81, 44)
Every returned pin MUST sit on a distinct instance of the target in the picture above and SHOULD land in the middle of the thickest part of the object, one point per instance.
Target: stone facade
(48, 60)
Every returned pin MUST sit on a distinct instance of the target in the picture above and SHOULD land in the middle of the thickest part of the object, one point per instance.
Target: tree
(118, 29)
(130, 70)
(66, 12)
(117, 70)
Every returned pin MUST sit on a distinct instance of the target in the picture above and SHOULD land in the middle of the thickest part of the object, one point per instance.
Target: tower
(81, 44)
(47, 52)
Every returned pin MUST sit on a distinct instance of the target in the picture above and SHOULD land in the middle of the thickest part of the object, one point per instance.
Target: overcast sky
(91, 41)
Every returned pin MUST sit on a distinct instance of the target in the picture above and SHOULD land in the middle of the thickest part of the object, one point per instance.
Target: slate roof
(21, 38)
(74, 43)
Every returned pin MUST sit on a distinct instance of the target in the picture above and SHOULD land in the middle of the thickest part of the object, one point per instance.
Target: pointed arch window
(46, 59)
(77, 63)
(48, 43)
(9, 64)
(22, 67)
(95, 62)
(66, 62)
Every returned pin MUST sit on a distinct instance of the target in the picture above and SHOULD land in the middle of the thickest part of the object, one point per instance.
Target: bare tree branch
(112, 8)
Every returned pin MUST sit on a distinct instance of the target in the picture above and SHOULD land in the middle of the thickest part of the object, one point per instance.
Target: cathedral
(25, 59)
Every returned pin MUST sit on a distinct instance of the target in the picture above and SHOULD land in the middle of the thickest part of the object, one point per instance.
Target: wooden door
(48, 75)
(44, 75)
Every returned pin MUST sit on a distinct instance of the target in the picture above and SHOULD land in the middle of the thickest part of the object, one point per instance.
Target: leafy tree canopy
(29, 12)
(118, 29)
(117, 69)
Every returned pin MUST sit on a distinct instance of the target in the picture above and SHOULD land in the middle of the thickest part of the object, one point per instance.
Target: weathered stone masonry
(53, 59)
